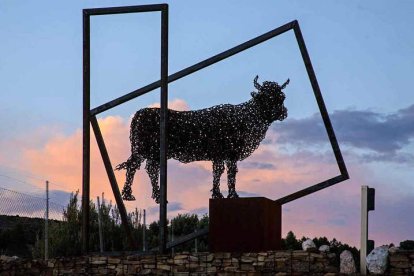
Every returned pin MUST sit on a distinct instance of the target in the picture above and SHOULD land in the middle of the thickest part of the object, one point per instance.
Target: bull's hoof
(232, 194)
(128, 197)
(216, 195)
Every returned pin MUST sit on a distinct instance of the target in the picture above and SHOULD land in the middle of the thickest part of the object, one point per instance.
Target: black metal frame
(89, 114)
(89, 117)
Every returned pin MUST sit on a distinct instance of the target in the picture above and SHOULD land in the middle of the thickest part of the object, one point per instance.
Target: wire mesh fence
(13, 203)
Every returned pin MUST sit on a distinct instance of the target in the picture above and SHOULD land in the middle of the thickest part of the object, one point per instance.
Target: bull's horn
(284, 85)
(256, 85)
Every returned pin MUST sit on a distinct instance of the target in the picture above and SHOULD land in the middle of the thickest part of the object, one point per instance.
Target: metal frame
(89, 117)
(163, 83)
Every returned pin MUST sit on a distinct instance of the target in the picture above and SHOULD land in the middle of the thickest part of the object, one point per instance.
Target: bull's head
(270, 98)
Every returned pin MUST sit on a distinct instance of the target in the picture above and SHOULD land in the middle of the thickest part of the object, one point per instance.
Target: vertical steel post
(86, 134)
(100, 225)
(367, 204)
(47, 222)
(196, 243)
(144, 227)
(364, 230)
(163, 130)
(172, 235)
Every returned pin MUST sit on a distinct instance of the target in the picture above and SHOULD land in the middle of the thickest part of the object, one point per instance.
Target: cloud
(382, 134)
(172, 207)
(175, 104)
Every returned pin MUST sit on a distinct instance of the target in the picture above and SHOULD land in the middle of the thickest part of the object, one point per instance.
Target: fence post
(100, 225)
(196, 243)
(47, 222)
(144, 227)
(367, 204)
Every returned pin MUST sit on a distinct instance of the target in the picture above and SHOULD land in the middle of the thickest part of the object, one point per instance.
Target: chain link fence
(13, 203)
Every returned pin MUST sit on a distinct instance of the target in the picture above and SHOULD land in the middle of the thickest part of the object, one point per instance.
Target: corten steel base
(244, 225)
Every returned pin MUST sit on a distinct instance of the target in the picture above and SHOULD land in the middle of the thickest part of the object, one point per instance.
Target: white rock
(377, 260)
(347, 263)
(308, 245)
(324, 248)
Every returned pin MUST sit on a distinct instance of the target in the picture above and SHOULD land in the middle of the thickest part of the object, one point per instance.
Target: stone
(222, 255)
(324, 248)
(5, 258)
(393, 249)
(308, 245)
(164, 267)
(98, 262)
(347, 263)
(193, 258)
(377, 260)
(246, 259)
(145, 272)
(209, 257)
(114, 261)
(180, 257)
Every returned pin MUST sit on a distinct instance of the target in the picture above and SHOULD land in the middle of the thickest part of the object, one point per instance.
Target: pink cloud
(175, 104)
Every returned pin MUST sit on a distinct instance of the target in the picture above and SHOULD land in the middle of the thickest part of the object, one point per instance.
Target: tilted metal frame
(90, 117)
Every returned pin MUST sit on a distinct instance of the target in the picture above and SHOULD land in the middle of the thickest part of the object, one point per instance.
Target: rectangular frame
(90, 118)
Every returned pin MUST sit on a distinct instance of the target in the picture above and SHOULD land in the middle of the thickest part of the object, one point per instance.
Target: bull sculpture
(223, 134)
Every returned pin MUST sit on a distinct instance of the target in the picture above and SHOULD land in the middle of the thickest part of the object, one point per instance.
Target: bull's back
(194, 135)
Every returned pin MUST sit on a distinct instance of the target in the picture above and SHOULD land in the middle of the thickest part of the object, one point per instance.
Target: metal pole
(112, 181)
(144, 227)
(172, 235)
(163, 235)
(47, 222)
(196, 243)
(86, 134)
(364, 230)
(100, 225)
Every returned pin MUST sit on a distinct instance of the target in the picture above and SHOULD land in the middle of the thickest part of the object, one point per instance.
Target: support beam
(187, 238)
(112, 180)
(86, 135)
(126, 9)
(367, 204)
(320, 101)
(310, 190)
(163, 131)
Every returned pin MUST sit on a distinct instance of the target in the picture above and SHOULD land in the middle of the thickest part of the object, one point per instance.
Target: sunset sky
(363, 56)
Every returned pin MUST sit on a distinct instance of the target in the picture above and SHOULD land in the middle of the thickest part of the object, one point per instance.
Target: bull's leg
(231, 178)
(153, 169)
(131, 165)
(218, 169)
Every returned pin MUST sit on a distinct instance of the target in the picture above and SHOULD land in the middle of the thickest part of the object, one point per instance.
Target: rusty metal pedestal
(244, 225)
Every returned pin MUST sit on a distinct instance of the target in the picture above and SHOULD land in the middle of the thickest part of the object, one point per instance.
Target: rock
(347, 263)
(393, 249)
(5, 258)
(377, 260)
(308, 245)
(324, 248)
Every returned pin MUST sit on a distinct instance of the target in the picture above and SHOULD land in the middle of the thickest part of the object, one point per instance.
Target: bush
(407, 245)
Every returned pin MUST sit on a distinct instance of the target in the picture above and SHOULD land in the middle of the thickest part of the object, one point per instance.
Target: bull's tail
(131, 165)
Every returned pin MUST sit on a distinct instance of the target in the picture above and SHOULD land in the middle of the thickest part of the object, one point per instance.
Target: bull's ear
(254, 95)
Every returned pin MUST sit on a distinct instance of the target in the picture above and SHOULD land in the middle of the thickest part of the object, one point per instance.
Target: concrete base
(244, 225)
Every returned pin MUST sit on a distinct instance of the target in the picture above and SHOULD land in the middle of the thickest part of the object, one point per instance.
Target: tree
(290, 242)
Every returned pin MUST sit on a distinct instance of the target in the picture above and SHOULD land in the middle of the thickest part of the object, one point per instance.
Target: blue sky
(362, 53)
